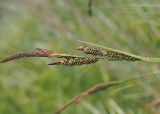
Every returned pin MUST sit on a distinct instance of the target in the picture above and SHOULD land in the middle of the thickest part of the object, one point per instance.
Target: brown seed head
(40, 52)
(75, 61)
(112, 55)
(90, 50)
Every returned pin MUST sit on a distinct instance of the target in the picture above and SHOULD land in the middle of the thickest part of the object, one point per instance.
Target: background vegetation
(29, 86)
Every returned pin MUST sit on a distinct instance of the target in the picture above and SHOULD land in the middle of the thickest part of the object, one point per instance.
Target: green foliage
(29, 86)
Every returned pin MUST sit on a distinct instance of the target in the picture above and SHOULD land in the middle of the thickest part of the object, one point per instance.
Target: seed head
(90, 50)
(76, 61)
(112, 55)
(40, 52)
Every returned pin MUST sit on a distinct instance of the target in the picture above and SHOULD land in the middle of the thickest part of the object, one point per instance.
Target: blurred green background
(30, 86)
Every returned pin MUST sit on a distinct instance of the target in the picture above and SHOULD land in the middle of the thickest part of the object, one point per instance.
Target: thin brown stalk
(90, 12)
(86, 93)
(66, 56)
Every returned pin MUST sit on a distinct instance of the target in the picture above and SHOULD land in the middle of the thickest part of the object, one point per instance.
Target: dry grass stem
(90, 12)
(86, 93)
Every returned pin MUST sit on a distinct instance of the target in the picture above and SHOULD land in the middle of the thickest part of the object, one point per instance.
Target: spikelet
(46, 52)
(56, 54)
(40, 52)
(90, 50)
(112, 55)
(76, 61)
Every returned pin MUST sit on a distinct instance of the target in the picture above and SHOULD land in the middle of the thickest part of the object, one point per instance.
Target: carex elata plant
(95, 52)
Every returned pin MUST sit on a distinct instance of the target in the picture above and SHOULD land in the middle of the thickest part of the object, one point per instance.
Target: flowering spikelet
(90, 50)
(56, 54)
(112, 55)
(46, 52)
(76, 61)
(40, 52)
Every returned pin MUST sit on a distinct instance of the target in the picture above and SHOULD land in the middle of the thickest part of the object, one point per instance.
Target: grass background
(29, 86)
